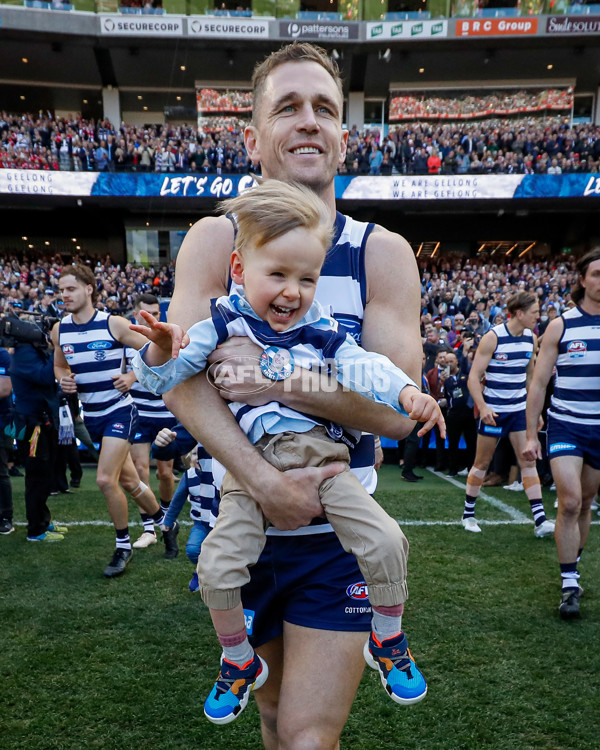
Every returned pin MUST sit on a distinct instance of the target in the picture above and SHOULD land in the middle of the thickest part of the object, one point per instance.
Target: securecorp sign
(496, 26)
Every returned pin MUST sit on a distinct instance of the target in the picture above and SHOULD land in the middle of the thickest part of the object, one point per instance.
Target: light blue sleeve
(191, 360)
(371, 374)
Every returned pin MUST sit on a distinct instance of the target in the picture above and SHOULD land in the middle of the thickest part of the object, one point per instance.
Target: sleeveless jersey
(202, 493)
(149, 406)
(94, 356)
(577, 384)
(505, 377)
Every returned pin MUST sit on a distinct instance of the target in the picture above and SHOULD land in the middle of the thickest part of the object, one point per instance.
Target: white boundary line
(515, 514)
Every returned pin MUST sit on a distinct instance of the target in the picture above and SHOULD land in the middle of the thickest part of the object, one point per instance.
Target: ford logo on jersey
(99, 345)
(358, 590)
(352, 326)
(577, 349)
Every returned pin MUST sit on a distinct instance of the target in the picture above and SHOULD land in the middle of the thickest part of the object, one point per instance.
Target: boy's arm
(190, 361)
(177, 502)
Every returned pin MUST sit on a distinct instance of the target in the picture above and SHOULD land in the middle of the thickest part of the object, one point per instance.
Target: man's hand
(532, 450)
(123, 382)
(165, 437)
(168, 337)
(422, 408)
(235, 372)
(487, 416)
(378, 457)
(291, 499)
(68, 384)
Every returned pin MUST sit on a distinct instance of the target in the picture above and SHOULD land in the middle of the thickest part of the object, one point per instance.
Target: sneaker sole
(258, 683)
(6, 533)
(373, 664)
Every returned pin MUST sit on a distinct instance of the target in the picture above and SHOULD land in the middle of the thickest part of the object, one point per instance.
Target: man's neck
(589, 306)
(84, 315)
(514, 327)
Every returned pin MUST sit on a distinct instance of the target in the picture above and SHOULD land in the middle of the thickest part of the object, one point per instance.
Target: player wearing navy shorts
(505, 357)
(153, 416)
(571, 343)
(88, 360)
(306, 598)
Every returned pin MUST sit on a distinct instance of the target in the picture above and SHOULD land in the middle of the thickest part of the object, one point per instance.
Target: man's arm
(536, 392)
(5, 386)
(62, 371)
(119, 328)
(483, 355)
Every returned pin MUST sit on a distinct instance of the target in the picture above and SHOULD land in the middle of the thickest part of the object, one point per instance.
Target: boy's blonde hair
(274, 208)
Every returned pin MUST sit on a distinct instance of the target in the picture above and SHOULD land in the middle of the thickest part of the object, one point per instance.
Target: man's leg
(568, 472)
(140, 455)
(532, 486)
(6, 501)
(321, 673)
(166, 481)
(486, 445)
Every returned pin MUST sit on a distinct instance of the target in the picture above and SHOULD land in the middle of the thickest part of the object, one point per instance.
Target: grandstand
(166, 86)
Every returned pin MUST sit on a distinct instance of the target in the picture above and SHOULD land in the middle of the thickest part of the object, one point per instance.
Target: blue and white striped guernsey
(342, 291)
(506, 375)
(202, 492)
(149, 406)
(94, 356)
(577, 384)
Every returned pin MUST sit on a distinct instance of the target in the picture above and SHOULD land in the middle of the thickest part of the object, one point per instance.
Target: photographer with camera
(6, 503)
(35, 418)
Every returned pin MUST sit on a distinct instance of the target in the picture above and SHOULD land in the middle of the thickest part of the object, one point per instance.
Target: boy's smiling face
(280, 277)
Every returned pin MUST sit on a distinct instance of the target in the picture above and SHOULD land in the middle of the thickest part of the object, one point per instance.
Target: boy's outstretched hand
(423, 408)
(168, 337)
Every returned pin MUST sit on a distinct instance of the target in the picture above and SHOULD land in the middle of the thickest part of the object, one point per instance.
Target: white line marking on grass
(515, 514)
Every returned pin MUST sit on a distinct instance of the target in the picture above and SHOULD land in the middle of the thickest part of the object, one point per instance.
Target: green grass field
(87, 662)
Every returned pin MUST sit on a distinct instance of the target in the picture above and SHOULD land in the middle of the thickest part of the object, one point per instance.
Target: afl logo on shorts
(501, 357)
(68, 349)
(118, 426)
(358, 591)
(576, 349)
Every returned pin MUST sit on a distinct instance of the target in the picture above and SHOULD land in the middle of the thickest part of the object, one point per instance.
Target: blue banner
(364, 188)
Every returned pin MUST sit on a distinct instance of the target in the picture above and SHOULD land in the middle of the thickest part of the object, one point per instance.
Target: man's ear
(237, 268)
(251, 144)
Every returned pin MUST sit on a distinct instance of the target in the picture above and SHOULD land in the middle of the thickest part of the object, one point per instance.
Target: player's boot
(145, 540)
(569, 603)
(546, 528)
(119, 562)
(399, 674)
(169, 537)
(230, 694)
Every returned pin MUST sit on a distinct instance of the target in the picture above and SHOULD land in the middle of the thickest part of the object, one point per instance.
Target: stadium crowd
(32, 285)
(540, 145)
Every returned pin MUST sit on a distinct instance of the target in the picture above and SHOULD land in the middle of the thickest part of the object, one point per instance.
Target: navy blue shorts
(121, 423)
(514, 421)
(148, 428)
(574, 439)
(306, 580)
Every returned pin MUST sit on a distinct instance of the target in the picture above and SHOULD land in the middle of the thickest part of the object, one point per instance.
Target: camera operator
(36, 402)
(6, 503)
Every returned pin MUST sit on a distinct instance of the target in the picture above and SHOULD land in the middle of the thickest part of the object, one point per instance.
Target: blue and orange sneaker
(399, 674)
(230, 694)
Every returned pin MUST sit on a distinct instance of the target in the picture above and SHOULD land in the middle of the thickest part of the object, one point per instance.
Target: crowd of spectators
(211, 100)
(216, 146)
(28, 285)
(522, 146)
(469, 106)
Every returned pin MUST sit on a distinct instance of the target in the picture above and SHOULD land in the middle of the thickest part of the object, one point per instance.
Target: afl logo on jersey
(68, 349)
(358, 591)
(576, 349)
(99, 345)
(501, 357)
